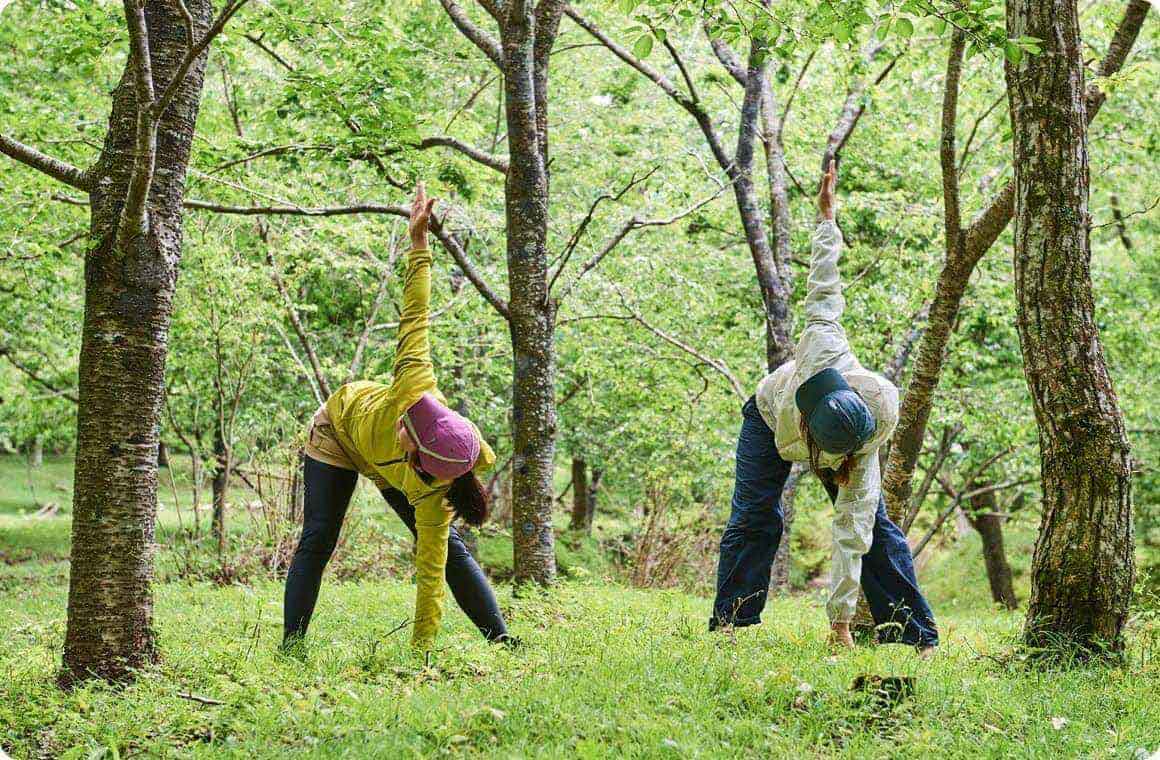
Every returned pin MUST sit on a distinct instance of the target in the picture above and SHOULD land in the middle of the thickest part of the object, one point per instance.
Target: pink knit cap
(448, 446)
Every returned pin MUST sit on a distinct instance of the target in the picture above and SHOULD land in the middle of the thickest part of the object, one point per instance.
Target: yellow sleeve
(414, 372)
(432, 524)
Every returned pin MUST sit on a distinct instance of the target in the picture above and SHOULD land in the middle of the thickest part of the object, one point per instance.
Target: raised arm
(414, 371)
(823, 342)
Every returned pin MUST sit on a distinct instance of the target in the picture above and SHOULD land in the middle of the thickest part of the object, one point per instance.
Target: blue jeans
(754, 531)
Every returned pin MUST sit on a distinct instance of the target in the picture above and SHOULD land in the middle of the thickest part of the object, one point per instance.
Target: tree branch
(53, 167)
(958, 498)
(279, 210)
(1118, 50)
(193, 53)
(633, 181)
(896, 365)
(276, 150)
(991, 221)
(725, 54)
(717, 364)
(475, 154)
(134, 221)
(947, 151)
(949, 434)
(797, 83)
(635, 223)
(449, 242)
(482, 40)
(32, 374)
(356, 361)
(452, 245)
(975, 128)
(296, 323)
(257, 40)
(681, 67)
(692, 106)
(855, 105)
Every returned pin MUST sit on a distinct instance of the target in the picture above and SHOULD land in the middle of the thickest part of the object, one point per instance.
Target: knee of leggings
(317, 546)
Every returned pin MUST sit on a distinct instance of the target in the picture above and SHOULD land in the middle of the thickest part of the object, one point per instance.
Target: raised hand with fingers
(826, 203)
(420, 217)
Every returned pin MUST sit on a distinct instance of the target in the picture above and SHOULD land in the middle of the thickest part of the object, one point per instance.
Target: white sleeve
(823, 342)
(853, 532)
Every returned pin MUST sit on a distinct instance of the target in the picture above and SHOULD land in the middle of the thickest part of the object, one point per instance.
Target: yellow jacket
(364, 415)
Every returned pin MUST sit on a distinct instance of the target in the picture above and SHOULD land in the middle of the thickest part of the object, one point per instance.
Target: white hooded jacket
(823, 345)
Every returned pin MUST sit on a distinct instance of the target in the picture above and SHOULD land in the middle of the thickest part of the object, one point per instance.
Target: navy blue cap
(838, 418)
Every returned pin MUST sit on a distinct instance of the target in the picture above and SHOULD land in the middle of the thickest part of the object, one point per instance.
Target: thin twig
(199, 699)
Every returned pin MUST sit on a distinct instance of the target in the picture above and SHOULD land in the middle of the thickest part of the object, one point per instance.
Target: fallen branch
(199, 699)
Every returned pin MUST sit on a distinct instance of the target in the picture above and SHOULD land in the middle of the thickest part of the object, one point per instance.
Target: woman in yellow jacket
(420, 454)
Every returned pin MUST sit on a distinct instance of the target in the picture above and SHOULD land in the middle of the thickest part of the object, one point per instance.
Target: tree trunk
(580, 517)
(36, 451)
(984, 518)
(220, 484)
(593, 494)
(970, 243)
(128, 301)
(775, 297)
(1082, 569)
(532, 320)
(162, 454)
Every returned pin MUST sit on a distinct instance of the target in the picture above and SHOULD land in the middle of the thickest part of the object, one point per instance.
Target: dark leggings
(328, 492)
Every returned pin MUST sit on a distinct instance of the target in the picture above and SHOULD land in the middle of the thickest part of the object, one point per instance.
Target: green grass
(603, 671)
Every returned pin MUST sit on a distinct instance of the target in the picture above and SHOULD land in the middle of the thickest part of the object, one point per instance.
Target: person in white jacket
(826, 409)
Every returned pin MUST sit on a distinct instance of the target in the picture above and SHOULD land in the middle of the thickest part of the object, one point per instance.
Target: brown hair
(841, 474)
(468, 498)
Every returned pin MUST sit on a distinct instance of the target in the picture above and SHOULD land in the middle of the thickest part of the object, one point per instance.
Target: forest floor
(603, 670)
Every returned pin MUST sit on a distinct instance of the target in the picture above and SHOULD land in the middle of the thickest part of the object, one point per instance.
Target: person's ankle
(293, 647)
(509, 641)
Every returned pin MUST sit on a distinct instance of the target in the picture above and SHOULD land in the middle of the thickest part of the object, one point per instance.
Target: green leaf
(643, 46)
(1013, 52)
(904, 27)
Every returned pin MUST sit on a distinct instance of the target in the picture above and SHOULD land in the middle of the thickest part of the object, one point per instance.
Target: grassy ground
(603, 671)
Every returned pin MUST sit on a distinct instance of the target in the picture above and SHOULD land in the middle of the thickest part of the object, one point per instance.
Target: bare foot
(925, 653)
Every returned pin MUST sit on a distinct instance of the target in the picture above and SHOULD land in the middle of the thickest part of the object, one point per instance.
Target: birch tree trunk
(1082, 569)
(129, 289)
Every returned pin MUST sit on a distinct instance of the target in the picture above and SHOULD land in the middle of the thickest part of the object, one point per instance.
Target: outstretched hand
(420, 217)
(826, 194)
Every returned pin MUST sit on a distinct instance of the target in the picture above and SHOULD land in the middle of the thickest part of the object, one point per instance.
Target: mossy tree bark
(527, 32)
(1082, 569)
(136, 190)
(965, 246)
